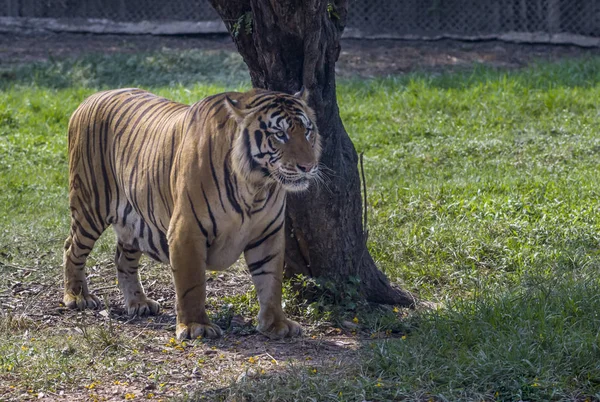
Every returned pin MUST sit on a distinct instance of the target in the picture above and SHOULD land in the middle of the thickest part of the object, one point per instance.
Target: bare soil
(134, 346)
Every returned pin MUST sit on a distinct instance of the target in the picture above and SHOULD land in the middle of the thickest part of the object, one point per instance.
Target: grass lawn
(483, 198)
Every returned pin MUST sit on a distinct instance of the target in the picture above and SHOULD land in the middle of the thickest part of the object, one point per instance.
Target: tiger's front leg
(265, 262)
(187, 248)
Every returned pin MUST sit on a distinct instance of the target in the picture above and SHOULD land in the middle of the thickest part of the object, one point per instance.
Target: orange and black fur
(191, 186)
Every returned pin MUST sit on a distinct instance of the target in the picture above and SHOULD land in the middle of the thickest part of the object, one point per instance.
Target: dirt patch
(358, 57)
(111, 356)
(22, 48)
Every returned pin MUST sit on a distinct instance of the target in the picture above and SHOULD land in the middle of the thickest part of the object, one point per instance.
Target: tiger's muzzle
(297, 178)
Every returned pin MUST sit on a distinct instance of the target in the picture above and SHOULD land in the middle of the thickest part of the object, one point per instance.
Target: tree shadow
(148, 69)
(535, 340)
(185, 67)
(580, 72)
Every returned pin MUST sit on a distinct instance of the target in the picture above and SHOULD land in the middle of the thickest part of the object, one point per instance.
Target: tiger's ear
(234, 111)
(303, 94)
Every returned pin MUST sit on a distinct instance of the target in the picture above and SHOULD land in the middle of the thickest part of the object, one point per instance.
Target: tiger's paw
(81, 301)
(279, 329)
(142, 307)
(195, 330)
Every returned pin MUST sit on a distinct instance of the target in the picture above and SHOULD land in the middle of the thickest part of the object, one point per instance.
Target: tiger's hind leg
(77, 248)
(127, 262)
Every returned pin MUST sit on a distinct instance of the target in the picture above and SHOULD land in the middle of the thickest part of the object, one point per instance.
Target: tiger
(191, 186)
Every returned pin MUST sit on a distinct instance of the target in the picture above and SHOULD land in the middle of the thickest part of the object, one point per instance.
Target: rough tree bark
(287, 44)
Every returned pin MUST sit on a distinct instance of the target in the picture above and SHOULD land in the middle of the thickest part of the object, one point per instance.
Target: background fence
(476, 17)
(535, 20)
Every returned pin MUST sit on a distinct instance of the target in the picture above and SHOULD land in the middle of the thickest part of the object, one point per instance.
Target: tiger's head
(278, 139)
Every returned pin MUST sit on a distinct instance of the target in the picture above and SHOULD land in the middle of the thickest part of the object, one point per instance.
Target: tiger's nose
(305, 167)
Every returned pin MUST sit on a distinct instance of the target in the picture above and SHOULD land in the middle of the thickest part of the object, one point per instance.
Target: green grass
(478, 173)
(483, 195)
(536, 343)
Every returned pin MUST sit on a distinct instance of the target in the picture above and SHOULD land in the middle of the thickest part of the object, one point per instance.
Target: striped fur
(191, 186)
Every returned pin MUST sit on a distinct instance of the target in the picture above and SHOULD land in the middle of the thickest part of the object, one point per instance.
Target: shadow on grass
(538, 342)
(541, 75)
(187, 67)
(168, 67)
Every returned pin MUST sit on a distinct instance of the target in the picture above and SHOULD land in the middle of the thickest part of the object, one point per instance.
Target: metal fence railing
(475, 17)
(367, 18)
(114, 10)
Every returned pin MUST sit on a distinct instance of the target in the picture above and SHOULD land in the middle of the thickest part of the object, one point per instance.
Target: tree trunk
(287, 44)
